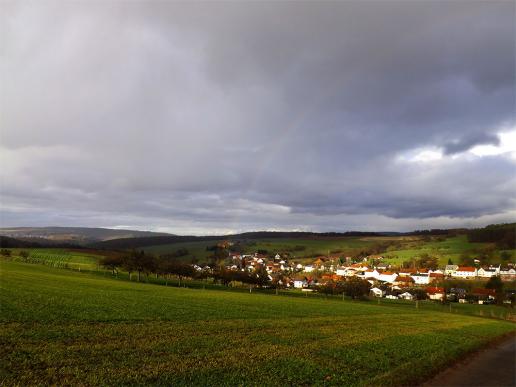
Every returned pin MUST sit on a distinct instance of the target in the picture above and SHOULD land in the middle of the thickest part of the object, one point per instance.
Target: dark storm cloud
(469, 142)
(226, 116)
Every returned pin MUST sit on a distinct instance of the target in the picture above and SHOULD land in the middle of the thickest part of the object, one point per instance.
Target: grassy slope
(450, 248)
(313, 247)
(64, 327)
(73, 258)
(411, 246)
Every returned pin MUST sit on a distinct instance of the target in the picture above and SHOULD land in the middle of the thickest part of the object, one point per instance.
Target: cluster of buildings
(469, 272)
(384, 279)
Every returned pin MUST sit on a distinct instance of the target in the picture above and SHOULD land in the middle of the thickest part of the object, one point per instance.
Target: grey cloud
(470, 141)
(254, 115)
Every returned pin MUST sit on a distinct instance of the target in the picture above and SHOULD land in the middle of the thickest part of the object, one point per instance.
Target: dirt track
(494, 366)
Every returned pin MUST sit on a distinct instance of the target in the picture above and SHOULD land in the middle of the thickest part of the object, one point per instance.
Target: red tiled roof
(404, 278)
(486, 292)
(466, 268)
(434, 290)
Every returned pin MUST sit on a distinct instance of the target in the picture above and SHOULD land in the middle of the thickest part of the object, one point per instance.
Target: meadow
(65, 327)
(304, 250)
(448, 248)
(61, 257)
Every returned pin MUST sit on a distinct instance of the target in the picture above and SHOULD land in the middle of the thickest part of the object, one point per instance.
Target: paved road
(495, 366)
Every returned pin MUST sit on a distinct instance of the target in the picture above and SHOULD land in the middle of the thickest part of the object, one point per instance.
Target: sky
(221, 117)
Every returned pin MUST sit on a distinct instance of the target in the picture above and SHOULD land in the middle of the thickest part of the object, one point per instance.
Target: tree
(129, 262)
(140, 262)
(450, 262)
(111, 262)
(5, 253)
(169, 266)
(356, 287)
(505, 255)
(24, 254)
(418, 293)
(497, 284)
(261, 277)
(426, 261)
(466, 259)
(332, 287)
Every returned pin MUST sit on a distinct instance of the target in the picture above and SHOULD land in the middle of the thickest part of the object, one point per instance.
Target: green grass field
(312, 247)
(195, 249)
(63, 258)
(450, 248)
(64, 327)
(406, 248)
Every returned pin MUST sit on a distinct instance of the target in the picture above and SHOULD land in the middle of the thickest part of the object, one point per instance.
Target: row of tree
(142, 263)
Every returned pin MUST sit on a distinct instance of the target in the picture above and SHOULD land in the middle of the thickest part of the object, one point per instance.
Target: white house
(507, 273)
(450, 269)
(300, 283)
(309, 269)
(435, 293)
(487, 273)
(341, 271)
(376, 292)
(406, 296)
(465, 272)
(387, 276)
(371, 274)
(421, 279)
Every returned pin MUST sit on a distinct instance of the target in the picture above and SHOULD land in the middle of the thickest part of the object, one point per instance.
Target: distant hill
(131, 243)
(73, 235)
(8, 242)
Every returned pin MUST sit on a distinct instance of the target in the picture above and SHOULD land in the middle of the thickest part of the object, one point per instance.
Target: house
(403, 281)
(487, 273)
(435, 293)
(387, 276)
(331, 277)
(484, 294)
(507, 273)
(383, 266)
(300, 282)
(465, 272)
(450, 269)
(376, 292)
(435, 276)
(391, 297)
(421, 279)
(371, 274)
(359, 267)
(309, 269)
(342, 271)
(406, 271)
(319, 263)
(406, 296)
(456, 294)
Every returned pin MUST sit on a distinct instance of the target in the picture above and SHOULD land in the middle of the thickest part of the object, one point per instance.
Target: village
(385, 280)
